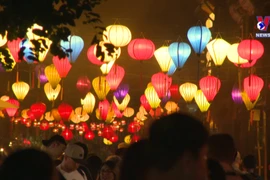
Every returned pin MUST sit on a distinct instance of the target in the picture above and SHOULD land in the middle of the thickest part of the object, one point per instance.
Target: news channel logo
(262, 26)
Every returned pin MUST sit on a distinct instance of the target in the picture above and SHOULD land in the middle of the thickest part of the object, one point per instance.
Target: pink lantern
(253, 86)
(104, 107)
(83, 85)
(12, 111)
(14, 47)
(62, 66)
(116, 111)
(92, 55)
(210, 86)
(38, 109)
(115, 76)
(145, 103)
(141, 49)
(161, 83)
(250, 49)
(65, 111)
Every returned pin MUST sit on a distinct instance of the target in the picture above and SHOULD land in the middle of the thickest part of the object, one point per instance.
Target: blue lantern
(27, 48)
(72, 47)
(198, 37)
(179, 53)
(172, 69)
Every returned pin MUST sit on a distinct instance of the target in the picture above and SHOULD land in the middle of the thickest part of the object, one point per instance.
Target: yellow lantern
(152, 97)
(107, 142)
(201, 101)
(128, 112)
(218, 49)
(20, 89)
(88, 102)
(118, 35)
(122, 106)
(8, 66)
(188, 91)
(171, 107)
(3, 39)
(52, 75)
(209, 23)
(163, 58)
(79, 115)
(249, 105)
(51, 93)
(105, 68)
(24, 114)
(101, 87)
(49, 117)
(233, 55)
(127, 139)
(140, 116)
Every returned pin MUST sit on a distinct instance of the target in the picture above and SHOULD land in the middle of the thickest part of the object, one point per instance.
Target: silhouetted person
(109, 170)
(249, 166)
(121, 149)
(215, 170)
(28, 164)
(94, 164)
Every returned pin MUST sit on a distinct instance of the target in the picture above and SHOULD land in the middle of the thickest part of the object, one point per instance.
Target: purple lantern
(166, 98)
(40, 74)
(236, 95)
(121, 92)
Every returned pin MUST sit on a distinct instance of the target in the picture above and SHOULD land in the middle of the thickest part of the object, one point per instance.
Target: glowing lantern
(20, 89)
(40, 73)
(163, 58)
(236, 95)
(128, 112)
(134, 127)
(52, 75)
(44, 125)
(198, 37)
(80, 114)
(218, 49)
(12, 111)
(250, 49)
(201, 101)
(72, 47)
(174, 90)
(62, 66)
(91, 55)
(210, 86)
(3, 39)
(121, 92)
(115, 76)
(161, 83)
(7, 60)
(117, 112)
(179, 53)
(89, 135)
(88, 102)
(145, 103)
(247, 65)
(249, 105)
(38, 109)
(209, 23)
(233, 55)
(135, 138)
(101, 87)
(114, 138)
(107, 142)
(118, 35)
(107, 132)
(122, 106)
(171, 70)
(67, 134)
(107, 52)
(51, 93)
(171, 107)
(141, 49)
(152, 97)
(253, 86)
(105, 68)
(188, 91)
(49, 116)
(104, 107)
(83, 85)
(14, 47)
(65, 111)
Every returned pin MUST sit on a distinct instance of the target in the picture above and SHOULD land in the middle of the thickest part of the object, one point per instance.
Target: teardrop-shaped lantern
(104, 107)
(233, 55)
(201, 101)
(12, 111)
(210, 86)
(62, 66)
(179, 53)
(118, 35)
(198, 37)
(141, 49)
(65, 111)
(83, 85)
(14, 47)
(218, 49)
(249, 105)
(163, 58)
(121, 92)
(161, 83)
(51, 93)
(171, 70)
(115, 76)
(152, 97)
(52, 75)
(253, 86)
(20, 89)
(236, 95)
(91, 55)
(106, 68)
(145, 103)
(250, 49)
(122, 106)
(88, 102)
(101, 87)
(38, 109)
(188, 91)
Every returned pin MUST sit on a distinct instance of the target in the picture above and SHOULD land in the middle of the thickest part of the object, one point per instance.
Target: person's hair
(249, 162)
(215, 170)
(94, 164)
(85, 148)
(120, 152)
(173, 135)
(222, 147)
(27, 164)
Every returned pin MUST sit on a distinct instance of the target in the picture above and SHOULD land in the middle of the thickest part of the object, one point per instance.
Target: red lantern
(83, 85)
(115, 76)
(145, 103)
(65, 111)
(92, 56)
(141, 49)
(253, 86)
(89, 135)
(114, 138)
(31, 115)
(44, 125)
(116, 111)
(14, 47)
(161, 83)
(134, 127)
(38, 109)
(104, 107)
(107, 132)
(210, 86)
(250, 49)
(174, 89)
(12, 111)
(62, 66)
(135, 138)
(67, 134)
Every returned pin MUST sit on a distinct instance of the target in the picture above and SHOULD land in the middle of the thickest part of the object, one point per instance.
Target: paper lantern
(247, 65)
(152, 97)
(20, 89)
(107, 52)
(122, 106)
(179, 53)
(253, 86)
(171, 107)
(83, 85)
(218, 49)
(135, 138)
(233, 55)
(171, 70)
(174, 89)
(128, 112)
(65, 111)
(198, 37)
(91, 55)
(51, 93)
(141, 49)
(12, 111)
(210, 86)
(62, 66)
(188, 91)
(166, 98)
(88, 102)
(67, 134)
(105, 68)
(104, 107)
(118, 35)
(161, 83)
(121, 92)
(89, 135)
(236, 95)
(145, 103)
(249, 105)
(38, 109)
(44, 125)
(14, 47)
(52, 75)
(72, 47)
(163, 58)
(250, 49)
(117, 112)
(7, 60)
(134, 127)
(115, 76)
(107, 132)
(201, 101)
(3, 39)
(101, 87)
(40, 73)
(114, 138)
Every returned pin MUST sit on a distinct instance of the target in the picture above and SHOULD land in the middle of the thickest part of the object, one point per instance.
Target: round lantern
(135, 138)
(107, 132)
(88, 102)
(12, 111)
(121, 92)
(236, 95)
(198, 37)
(152, 97)
(14, 47)
(233, 55)
(161, 83)
(115, 76)
(89, 135)
(141, 49)
(218, 49)
(210, 86)
(163, 58)
(253, 86)
(44, 125)
(104, 107)
(175, 92)
(62, 66)
(20, 89)
(38, 109)
(114, 138)
(250, 49)
(171, 107)
(65, 111)
(179, 53)
(91, 55)
(201, 101)
(145, 103)
(122, 106)
(52, 75)
(83, 85)
(72, 47)
(188, 91)
(128, 112)
(118, 35)
(67, 134)
(101, 87)
(51, 93)
(134, 127)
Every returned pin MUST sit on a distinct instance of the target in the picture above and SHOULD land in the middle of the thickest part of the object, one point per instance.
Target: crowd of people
(178, 147)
